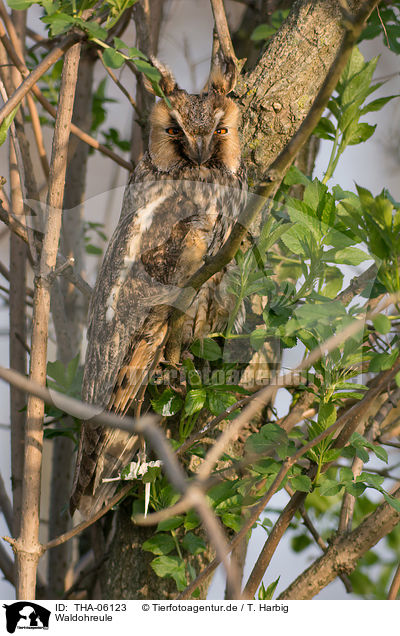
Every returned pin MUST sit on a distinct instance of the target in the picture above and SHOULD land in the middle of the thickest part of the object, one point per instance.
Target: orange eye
(173, 131)
(221, 131)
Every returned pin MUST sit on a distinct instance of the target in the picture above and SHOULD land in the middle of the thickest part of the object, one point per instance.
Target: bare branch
(317, 537)
(88, 522)
(222, 28)
(395, 585)
(27, 547)
(371, 433)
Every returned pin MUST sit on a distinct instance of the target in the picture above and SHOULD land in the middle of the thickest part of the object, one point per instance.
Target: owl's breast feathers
(168, 224)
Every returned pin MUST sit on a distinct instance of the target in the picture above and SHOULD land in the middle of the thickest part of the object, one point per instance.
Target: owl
(179, 207)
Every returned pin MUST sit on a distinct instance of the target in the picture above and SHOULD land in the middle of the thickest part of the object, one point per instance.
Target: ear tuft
(223, 82)
(167, 82)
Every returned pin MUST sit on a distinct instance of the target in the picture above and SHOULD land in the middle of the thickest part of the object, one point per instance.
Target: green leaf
(326, 415)
(171, 567)
(193, 543)
(93, 249)
(20, 5)
(302, 483)
(377, 104)
(325, 129)
(168, 403)
(112, 58)
(372, 479)
(147, 69)
(93, 29)
(59, 22)
(297, 238)
(294, 176)
(192, 520)
(6, 124)
(262, 32)
(207, 349)
(355, 489)
(233, 521)
(194, 401)
(267, 594)
(159, 544)
(350, 256)
(329, 488)
(300, 542)
(170, 524)
(382, 324)
(380, 452)
(220, 400)
(153, 472)
(382, 361)
(360, 133)
(270, 436)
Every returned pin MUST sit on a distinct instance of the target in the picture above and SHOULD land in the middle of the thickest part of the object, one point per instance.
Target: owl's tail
(104, 452)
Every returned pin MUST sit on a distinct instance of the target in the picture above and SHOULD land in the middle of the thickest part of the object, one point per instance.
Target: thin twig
(221, 25)
(157, 440)
(119, 84)
(395, 585)
(88, 522)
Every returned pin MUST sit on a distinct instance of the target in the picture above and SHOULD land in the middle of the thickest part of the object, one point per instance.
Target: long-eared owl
(179, 206)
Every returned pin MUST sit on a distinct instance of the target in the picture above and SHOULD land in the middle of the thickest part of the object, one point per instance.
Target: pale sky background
(185, 46)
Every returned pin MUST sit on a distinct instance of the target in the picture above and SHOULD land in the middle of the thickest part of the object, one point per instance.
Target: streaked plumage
(178, 209)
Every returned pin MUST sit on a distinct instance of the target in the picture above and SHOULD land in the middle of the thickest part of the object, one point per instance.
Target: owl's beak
(202, 154)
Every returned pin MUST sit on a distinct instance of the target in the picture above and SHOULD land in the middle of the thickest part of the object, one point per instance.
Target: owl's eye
(172, 130)
(221, 131)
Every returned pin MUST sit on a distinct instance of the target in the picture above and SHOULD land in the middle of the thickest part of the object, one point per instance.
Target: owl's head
(198, 130)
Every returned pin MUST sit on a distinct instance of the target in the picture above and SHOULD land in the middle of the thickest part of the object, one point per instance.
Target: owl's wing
(151, 253)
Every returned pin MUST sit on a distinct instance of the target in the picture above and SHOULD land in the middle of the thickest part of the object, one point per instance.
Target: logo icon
(26, 615)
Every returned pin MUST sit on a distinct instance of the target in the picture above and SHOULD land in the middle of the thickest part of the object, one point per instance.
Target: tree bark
(276, 96)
